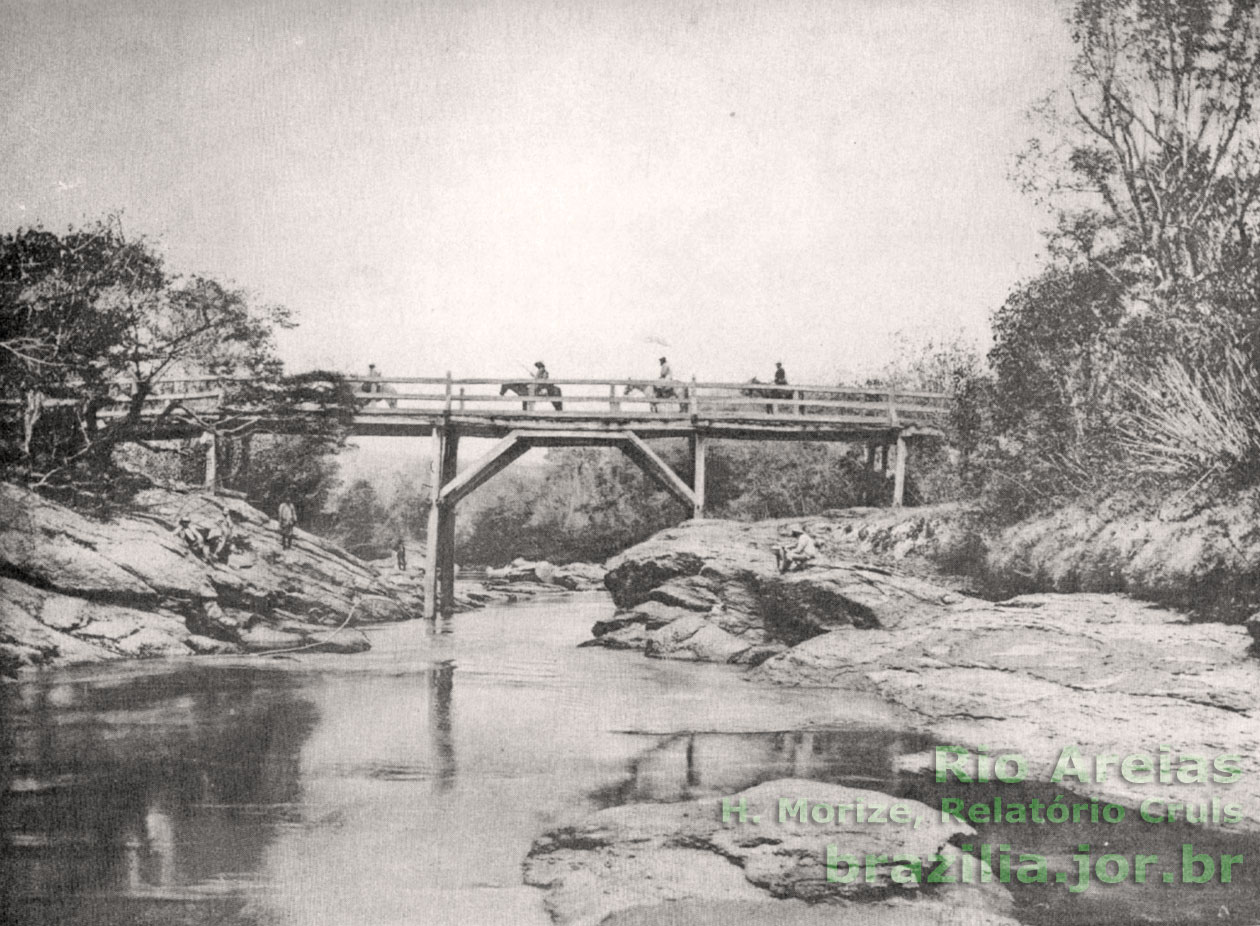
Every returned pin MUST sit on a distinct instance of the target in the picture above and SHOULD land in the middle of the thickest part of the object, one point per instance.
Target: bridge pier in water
(450, 487)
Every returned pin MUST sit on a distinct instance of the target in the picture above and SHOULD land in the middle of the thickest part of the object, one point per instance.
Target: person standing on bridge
(374, 380)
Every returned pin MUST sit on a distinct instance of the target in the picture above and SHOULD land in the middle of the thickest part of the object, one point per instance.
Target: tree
(91, 315)
(1151, 159)
(298, 466)
(360, 522)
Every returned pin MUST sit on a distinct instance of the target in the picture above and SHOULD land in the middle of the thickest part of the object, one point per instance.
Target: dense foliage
(100, 342)
(1146, 313)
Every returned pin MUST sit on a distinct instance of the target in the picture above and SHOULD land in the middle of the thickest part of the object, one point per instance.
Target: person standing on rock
(400, 552)
(287, 517)
(802, 551)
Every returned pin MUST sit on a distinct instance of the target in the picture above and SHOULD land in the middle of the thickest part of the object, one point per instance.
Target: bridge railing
(655, 398)
(631, 399)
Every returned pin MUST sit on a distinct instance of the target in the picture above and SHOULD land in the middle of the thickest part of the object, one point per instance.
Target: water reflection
(694, 765)
(121, 793)
(442, 686)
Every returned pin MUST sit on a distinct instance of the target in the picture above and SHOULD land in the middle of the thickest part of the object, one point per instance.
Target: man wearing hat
(801, 552)
(666, 374)
(191, 536)
(540, 377)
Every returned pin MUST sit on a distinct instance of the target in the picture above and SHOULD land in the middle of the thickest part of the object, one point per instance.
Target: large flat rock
(641, 859)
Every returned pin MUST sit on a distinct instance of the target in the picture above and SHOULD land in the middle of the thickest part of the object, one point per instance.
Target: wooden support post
(698, 442)
(613, 405)
(212, 460)
(899, 474)
(446, 526)
(431, 544)
(870, 455)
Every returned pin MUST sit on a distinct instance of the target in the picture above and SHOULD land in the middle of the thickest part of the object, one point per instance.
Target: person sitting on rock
(218, 538)
(191, 536)
(799, 554)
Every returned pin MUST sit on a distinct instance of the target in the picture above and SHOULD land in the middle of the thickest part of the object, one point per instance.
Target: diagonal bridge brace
(518, 442)
(636, 449)
(501, 455)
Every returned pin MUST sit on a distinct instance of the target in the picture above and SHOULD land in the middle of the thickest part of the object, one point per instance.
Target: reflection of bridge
(620, 413)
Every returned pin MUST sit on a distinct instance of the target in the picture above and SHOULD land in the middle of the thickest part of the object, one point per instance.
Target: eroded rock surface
(709, 591)
(1032, 675)
(640, 860)
(76, 589)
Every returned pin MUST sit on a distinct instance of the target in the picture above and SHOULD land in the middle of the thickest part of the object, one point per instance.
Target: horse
(651, 392)
(375, 387)
(762, 393)
(530, 389)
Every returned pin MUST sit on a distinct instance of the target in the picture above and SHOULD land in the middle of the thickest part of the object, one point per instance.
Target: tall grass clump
(1197, 426)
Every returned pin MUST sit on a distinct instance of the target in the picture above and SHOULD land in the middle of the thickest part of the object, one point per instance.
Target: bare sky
(472, 186)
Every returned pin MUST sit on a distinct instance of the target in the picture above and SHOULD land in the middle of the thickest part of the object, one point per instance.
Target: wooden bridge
(523, 414)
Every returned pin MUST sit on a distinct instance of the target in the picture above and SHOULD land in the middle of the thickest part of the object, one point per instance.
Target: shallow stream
(405, 785)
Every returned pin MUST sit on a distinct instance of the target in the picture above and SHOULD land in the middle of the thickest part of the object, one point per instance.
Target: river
(399, 786)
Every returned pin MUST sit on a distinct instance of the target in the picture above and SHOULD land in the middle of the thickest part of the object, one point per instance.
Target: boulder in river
(574, 577)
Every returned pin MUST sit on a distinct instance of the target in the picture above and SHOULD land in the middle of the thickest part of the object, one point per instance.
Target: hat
(184, 520)
(796, 529)
(663, 360)
(539, 364)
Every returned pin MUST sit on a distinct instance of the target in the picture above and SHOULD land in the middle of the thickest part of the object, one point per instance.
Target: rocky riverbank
(1031, 674)
(76, 589)
(79, 589)
(1198, 556)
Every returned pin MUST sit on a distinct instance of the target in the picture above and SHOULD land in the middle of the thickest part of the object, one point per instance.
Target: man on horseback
(665, 392)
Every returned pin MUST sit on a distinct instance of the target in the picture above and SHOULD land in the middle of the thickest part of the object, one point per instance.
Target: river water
(405, 785)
